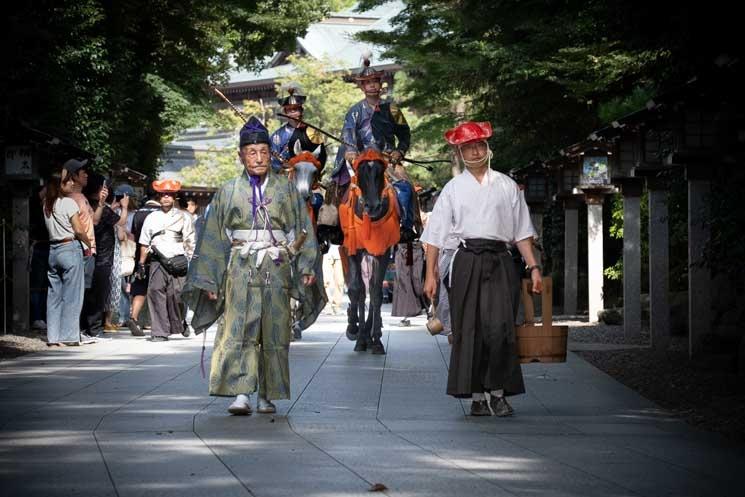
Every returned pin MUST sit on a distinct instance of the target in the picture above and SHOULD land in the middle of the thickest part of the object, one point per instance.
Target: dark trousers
(484, 296)
(96, 298)
(167, 311)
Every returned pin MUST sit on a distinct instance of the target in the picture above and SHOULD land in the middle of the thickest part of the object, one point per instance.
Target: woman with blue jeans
(66, 271)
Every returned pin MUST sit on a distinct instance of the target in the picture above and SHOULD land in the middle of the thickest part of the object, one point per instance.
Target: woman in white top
(66, 273)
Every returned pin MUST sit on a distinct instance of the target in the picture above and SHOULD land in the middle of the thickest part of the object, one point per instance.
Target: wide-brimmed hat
(467, 132)
(167, 186)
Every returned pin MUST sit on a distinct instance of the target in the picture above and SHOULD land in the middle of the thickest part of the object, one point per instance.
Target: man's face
(81, 177)
(295, 112)
(167, 200)
(475, 151)
(255, 158)
(371, 87)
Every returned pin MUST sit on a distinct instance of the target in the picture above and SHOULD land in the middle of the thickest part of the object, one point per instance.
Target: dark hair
(54, 191)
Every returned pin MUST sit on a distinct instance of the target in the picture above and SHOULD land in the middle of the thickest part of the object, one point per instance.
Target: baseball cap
(74, 165)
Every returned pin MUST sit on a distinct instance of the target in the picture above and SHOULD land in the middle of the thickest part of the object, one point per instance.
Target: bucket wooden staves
(540, 342)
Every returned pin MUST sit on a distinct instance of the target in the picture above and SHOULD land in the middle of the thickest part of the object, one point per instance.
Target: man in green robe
(257, 250)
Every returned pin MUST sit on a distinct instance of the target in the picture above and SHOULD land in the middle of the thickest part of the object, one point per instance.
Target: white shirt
(58, 223)
(494, 209)
(174, 221)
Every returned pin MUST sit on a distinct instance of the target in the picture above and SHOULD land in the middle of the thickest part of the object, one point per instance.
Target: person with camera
(168, 240)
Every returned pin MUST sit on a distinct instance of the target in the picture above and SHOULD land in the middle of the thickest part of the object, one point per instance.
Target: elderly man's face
(475, 151)
(255, 158)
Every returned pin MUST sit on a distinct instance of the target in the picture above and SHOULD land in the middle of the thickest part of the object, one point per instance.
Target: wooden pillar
(632, 309)
(594, 255)
(21, 286)
(659, 265)
(571, 238)
(699, 276)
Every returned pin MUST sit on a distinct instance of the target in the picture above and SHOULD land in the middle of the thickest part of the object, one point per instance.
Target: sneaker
(265, 406)
(480, 408)
(39, 325)
(158, 339)
(501, 407)
(134, 328)
(86, 339)
(240, 406)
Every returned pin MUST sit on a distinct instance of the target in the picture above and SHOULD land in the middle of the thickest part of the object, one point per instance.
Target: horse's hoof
(377, 348)
(352, 333)
(361, 345)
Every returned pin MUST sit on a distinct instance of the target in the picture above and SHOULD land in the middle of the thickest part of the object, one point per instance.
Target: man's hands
(396, 157)
(212, 295)
(537, 280)
(350, 156)
(309, 279)
(430, 287)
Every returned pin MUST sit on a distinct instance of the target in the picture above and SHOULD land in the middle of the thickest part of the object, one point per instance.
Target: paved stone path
(127, 417)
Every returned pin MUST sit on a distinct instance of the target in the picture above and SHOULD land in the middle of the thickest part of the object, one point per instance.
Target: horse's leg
(376, 300)
(354, 283)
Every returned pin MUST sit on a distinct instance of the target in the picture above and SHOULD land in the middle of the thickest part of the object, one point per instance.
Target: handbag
(177, 266)
(127, 249)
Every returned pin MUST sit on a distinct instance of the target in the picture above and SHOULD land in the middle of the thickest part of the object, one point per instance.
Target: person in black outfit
(138, 287)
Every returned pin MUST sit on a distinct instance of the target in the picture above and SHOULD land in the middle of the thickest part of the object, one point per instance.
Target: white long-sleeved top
(174, 221)
(494, 209)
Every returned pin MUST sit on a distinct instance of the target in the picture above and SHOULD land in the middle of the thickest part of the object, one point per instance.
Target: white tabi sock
(497, 393)
(478, 397)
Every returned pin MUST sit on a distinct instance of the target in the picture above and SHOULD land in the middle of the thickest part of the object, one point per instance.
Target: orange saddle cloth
(363, 233)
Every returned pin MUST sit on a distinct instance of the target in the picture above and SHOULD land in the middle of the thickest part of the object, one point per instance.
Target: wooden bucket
(542, 342)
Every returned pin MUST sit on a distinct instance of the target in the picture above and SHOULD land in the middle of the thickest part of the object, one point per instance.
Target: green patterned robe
(253, 338)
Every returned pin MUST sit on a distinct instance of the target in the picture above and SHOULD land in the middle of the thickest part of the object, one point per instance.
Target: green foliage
(329, 97)
(120, 78)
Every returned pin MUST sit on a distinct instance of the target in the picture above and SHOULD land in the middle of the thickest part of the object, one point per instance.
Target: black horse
(373, 199)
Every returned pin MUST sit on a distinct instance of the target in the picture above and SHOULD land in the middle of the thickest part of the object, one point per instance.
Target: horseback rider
(283, 140)
(372, 123)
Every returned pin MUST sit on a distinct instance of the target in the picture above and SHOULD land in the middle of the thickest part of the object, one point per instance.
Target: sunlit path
(128, 417)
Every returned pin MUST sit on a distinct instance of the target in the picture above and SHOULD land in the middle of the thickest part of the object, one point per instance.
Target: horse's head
(304, 170)
(370, 169)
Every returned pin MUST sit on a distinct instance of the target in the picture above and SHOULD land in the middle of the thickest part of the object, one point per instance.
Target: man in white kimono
(484, 211)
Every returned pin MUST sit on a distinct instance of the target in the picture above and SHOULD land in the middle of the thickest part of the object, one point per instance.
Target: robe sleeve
(209, 263)
(522, 225)
(401, 130)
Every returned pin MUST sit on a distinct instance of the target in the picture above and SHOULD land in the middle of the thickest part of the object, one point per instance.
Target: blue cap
(124, 189)
(253, 132)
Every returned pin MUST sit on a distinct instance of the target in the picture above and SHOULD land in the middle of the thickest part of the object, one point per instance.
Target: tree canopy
(120, 78)
(547, 72)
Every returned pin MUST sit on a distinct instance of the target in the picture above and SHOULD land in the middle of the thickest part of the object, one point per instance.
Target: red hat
(467, 132)
(166, 186)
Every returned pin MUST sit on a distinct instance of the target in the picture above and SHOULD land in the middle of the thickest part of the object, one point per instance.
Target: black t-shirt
(105, 234)
(137, 221)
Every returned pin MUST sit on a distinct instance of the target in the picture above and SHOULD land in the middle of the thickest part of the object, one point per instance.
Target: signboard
(18, 161)
(595, 170)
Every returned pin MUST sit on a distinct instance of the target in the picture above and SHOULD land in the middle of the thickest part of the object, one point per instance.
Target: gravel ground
(20, 344)
(706, 392)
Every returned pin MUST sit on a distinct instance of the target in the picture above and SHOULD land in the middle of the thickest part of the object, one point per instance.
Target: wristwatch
(530, 269)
